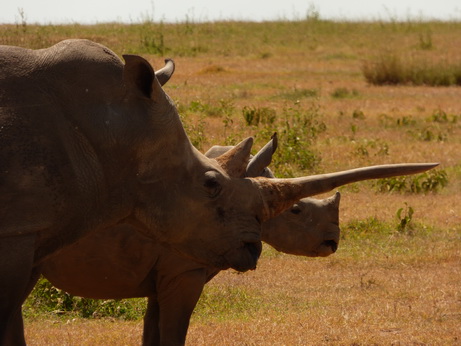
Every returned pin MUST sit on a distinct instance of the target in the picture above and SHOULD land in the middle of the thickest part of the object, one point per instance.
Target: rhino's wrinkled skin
(122, 263)
(87, 142)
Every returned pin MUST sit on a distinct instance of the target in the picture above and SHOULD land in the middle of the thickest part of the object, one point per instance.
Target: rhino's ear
(334, 200)
(235, 161)
(262, 159)
(139, 76)
(164, 74)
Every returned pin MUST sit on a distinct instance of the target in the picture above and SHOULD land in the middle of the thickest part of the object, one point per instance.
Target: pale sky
(133, 11)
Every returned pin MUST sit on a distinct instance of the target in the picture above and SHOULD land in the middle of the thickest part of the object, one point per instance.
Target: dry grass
(346, 299)
(383, 289)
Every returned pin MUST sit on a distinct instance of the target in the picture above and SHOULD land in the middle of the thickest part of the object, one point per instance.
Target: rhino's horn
(280, 194)
(235, 161)
(262, 159)
(165, 73)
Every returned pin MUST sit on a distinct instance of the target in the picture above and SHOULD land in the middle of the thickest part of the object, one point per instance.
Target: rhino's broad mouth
(245, 257)
(332, 244)
(254, 249)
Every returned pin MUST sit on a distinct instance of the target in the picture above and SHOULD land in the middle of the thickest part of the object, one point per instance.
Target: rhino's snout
(254, 249)
(332, 244)
(245, 257)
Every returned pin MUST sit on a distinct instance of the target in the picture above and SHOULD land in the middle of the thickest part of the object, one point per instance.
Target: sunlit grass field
(396, 276)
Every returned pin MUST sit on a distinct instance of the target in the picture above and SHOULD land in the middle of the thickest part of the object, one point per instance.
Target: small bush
(45, 298)
(254, 116)
(390, 69)
(296, 128)
(343, 93)
(367, 148)
(431, 181)
(297, 131)
(405, 217)
(358, 114)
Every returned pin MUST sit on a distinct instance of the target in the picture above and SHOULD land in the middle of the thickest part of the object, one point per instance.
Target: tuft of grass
(213, 69)
(298, 94)
(227, 303)
(367, 148)
(391, 68)
(405, 217)
(344, 93)
(259, 115)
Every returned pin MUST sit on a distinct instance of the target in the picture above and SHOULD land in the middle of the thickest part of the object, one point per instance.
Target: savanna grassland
(339, 95)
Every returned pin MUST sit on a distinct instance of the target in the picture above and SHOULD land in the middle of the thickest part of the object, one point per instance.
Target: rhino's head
(207, 215)
(202, 208)
(309, 228)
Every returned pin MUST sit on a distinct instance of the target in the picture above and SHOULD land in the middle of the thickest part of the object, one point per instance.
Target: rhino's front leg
(151, 333)
(177, 298)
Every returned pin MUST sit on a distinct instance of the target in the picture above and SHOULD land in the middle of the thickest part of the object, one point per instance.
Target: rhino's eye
(213, 187)
(295, 209)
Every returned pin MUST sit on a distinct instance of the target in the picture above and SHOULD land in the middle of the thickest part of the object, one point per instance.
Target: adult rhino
(120, 262)
(87, 142)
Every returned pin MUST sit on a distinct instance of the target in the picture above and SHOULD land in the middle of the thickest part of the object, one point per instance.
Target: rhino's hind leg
(17, 279)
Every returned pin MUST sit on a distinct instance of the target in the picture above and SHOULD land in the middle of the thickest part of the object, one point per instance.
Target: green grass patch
(344, 93)
(222, 303)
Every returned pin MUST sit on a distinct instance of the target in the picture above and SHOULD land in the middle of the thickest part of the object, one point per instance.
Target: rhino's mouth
(331, 244)
(245, 257)
(327, 248)
(254, 249)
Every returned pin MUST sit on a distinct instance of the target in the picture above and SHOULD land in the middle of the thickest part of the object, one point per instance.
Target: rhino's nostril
(254, 249)
(331, 243)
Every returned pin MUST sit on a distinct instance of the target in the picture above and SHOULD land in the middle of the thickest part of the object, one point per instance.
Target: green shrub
(367, 148)
(45, 298)
(405, 217)
(296, 127)
(254, 116)
(431, 181)
(297, 130)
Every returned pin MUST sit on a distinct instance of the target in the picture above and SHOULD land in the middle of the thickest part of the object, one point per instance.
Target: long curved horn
(279, 194)
(235, 161)
(262, 159)
(165, 73)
